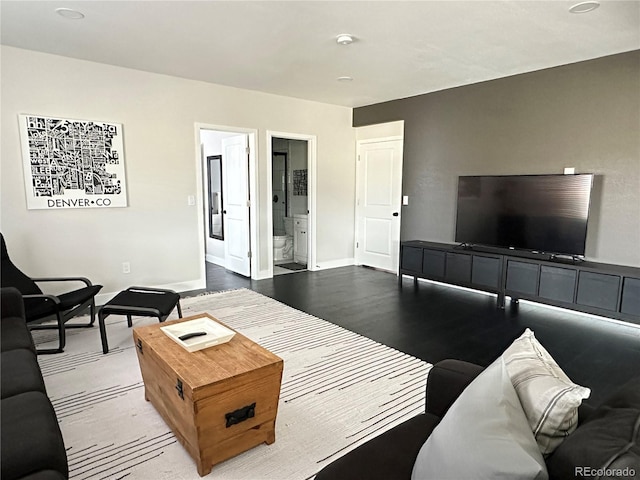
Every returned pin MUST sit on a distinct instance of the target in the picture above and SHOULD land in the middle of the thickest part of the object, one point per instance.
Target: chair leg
(61, 339)
(103, 332)
(129, 321)
(61, 333)
(92, 317)
(92, 312)
(179, 309)
(48, 351)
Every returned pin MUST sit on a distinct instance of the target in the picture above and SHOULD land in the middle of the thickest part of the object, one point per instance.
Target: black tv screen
(541, 213)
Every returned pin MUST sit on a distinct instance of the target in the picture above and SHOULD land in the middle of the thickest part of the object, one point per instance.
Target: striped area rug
(339, 389)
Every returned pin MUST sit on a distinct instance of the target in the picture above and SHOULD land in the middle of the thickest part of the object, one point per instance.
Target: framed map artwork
(72, 163)
(300, 182)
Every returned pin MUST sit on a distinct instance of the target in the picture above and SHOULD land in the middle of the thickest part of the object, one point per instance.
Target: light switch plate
(405, 200)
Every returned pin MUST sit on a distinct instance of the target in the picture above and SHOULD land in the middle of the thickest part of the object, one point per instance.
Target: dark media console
(598, 288)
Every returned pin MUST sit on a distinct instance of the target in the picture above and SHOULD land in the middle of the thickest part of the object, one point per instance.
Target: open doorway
(291, 214)
(225, 164)
(290, 204)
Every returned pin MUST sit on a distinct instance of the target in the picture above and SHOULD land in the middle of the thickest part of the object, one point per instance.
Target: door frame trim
(311, 201)
(253, 195)
(359, 144)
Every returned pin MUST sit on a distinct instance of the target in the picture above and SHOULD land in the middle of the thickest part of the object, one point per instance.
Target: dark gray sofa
(607, 438)
(31, 445)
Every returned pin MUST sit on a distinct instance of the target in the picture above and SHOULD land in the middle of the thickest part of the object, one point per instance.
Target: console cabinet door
(557, 283)
(433, 263)
(412, 259)
(598, 290)
(631, 296)
(458, 268)
(485, 271)
(522, 277)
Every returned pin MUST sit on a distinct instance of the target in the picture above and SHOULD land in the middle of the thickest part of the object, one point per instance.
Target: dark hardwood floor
(434, 322)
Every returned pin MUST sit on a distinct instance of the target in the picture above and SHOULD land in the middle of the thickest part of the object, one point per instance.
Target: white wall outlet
(569, 171)
(126, 267)
(405, 200)
(191, 200)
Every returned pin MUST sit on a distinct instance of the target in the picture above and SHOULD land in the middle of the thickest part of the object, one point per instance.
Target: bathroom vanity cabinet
(300, 239)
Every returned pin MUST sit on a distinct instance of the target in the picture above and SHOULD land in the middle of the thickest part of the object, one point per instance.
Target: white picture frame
(72, 163)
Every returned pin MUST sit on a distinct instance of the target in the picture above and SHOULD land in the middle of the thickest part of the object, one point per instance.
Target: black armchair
(40, 307)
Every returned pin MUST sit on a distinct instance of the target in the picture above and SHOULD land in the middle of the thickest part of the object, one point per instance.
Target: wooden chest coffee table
(220, 401)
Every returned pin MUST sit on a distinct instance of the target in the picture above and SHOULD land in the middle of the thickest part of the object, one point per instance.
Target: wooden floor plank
(433, 321)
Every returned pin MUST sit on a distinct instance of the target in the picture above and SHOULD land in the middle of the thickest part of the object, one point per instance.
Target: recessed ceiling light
(584, 7)
(344, 39)
(70, 13)
(345, 79)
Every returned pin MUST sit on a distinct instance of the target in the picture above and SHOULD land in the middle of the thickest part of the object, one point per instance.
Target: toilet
(283, 244)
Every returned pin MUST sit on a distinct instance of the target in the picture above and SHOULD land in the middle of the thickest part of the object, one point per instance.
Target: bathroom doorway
(290, 204)
(226, 163)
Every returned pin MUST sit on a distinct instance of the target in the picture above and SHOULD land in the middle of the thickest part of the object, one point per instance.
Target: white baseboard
(261, 275)
(103, 298)
(215, 260)
(344, 262)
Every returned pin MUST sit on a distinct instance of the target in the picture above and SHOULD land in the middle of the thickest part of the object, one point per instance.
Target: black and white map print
(72, 163)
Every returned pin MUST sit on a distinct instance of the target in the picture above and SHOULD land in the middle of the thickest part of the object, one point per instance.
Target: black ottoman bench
(140, 301)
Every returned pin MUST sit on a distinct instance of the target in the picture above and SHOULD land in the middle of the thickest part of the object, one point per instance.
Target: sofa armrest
(446, 381)
(12, 303)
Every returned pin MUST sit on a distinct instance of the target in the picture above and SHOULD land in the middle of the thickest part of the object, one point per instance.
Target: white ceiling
(289, 48)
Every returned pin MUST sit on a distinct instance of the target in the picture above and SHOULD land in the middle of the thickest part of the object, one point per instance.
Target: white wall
(158, 232)
(380, 130)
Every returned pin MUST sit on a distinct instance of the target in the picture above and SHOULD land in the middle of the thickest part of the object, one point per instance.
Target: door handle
(224, 211)
(395, 214)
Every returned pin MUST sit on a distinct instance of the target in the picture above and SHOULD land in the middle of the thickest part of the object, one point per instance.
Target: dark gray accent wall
(584, 115)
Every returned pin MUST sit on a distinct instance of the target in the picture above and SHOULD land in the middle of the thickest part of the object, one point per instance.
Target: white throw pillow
(549, 398)
(484, 435)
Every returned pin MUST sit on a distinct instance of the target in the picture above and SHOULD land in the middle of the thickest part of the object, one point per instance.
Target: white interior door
(235, 191)
(378, 204)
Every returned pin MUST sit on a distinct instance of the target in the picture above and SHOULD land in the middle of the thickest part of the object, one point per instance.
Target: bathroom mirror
(216, 219)
(280, 208)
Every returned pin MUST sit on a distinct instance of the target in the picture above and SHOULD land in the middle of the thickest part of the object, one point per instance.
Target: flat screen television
(540, 213)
